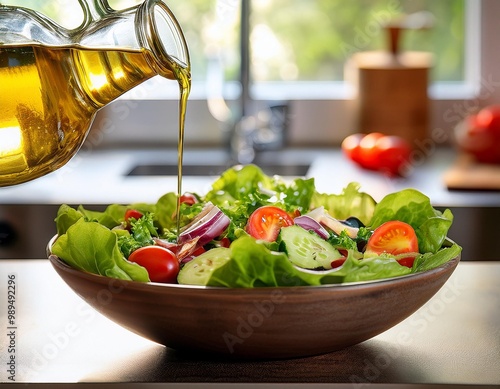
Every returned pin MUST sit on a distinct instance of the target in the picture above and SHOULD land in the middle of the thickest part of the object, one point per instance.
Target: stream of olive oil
(183, 76)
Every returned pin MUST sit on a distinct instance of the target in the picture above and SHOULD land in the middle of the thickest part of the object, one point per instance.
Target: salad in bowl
(252, 230)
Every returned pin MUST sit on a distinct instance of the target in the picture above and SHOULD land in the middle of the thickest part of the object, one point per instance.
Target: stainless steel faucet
(251, 129)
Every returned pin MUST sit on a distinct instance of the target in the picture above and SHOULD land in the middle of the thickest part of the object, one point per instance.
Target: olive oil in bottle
(49, 97)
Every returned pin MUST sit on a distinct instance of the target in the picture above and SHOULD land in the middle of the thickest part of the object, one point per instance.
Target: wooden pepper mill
(391, 86)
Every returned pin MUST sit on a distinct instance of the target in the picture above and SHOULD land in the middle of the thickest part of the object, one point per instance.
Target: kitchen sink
(213, 169)
(207, 162)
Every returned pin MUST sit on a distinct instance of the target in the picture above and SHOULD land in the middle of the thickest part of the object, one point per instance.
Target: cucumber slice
(199, 270)
(306, 249)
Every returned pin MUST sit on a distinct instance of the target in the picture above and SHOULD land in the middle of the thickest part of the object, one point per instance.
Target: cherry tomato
(188, 198)
(489, 117)
(224, 242)
(394, 237)
(200, 250)
(161, 263)
(407, 261)
(369, 153)
(393, 155)
(350, 147)
(343, 252)
(265, 222)
(479, 135)
(132, 214)
(388, 154)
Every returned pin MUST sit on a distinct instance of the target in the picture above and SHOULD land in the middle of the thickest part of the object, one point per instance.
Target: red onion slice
(321, 216)
(208, 227)
(309, 224)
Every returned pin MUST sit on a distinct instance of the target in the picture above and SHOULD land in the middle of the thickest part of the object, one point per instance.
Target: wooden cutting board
(467, 174)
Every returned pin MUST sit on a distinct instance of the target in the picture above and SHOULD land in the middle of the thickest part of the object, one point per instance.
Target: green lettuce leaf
(351, 202)
(110, 218)
(66, 217)
(236, 184)
(299, 194)
(92, 247)
(165, 209)
(414, 208)
(429, 261)
(375, 268)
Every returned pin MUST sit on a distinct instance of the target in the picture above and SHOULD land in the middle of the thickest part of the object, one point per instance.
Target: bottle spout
(160, 34)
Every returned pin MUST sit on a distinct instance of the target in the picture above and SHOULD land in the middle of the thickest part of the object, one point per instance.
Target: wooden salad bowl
(265, 322)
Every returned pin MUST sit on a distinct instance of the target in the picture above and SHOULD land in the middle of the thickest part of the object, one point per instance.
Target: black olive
(353, 222)
(361, 245)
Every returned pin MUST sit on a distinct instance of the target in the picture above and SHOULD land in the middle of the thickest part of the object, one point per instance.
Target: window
(299, 47)
(311, 40)
(67, 13)
(297, 40)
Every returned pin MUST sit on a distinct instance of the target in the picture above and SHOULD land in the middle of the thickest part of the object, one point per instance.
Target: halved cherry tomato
(407, 261)
(188, 198)
(265, 222)
(224, 242)
(394, 237)
(200, 250)
(161, 263)
(132, 214)
(338, 262)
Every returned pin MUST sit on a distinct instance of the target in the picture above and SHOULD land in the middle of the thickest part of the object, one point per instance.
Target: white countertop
(100, 177)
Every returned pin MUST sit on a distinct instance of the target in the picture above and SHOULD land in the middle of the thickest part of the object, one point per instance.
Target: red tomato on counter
(389, 154)
(369, 151)
(489, 117)
(479, 135)
(351, 148)
(393, 155)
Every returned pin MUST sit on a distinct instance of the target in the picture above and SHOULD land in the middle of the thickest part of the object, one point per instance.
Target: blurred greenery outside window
(293, 42)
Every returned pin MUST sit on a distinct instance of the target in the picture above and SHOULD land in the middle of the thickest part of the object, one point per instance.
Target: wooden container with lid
(391, 88)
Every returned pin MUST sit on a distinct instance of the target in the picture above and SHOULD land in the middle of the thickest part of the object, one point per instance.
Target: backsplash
(316, 123)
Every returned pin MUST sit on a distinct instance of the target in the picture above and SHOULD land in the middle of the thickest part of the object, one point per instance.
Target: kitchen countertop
(100, 177)
(58, 338)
